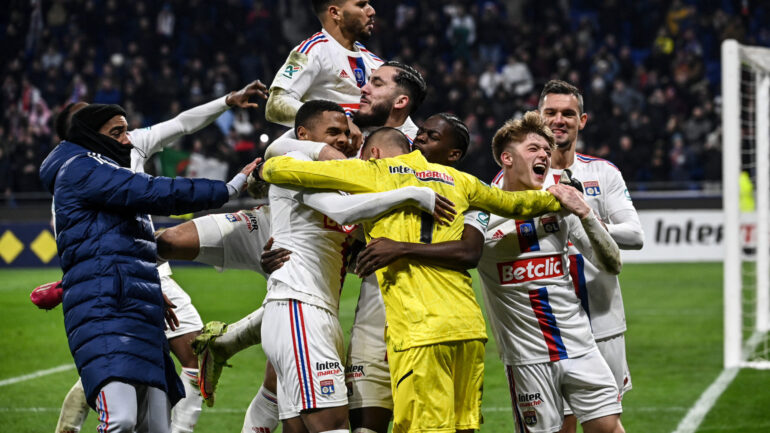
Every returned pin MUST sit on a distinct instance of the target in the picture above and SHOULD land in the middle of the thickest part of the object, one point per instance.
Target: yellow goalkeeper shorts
(437, 388)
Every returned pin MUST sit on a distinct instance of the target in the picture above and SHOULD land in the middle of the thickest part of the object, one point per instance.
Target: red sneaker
(47, 296)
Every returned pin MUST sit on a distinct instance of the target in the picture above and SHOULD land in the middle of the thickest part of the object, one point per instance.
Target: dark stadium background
(649, 71)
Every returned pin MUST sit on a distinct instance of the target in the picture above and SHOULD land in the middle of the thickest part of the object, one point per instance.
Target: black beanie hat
(84, 130)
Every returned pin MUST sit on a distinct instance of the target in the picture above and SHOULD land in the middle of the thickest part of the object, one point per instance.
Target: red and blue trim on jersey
(527, 232)
(371, 54)
(305, 46)
(587, 159)
(104, 416)
(544, 313)
(497, 178)
(301, 355)
(578, 275)
(514, 401)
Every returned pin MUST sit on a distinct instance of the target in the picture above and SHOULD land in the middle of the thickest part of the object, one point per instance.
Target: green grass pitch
(674, 341)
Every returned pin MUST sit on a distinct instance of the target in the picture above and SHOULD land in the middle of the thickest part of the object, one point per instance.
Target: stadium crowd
(650, 72)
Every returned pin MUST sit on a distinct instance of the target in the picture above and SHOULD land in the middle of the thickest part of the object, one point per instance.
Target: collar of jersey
(355, 53)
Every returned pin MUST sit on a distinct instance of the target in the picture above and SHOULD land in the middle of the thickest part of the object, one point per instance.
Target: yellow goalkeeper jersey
(424, 304)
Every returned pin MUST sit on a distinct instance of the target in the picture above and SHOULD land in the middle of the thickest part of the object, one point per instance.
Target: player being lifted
(561, 105)
(436, 331)
(331, 64)
(543, 335)
(147, 142)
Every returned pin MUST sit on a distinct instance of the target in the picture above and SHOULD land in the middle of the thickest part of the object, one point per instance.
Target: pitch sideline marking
(35, 375)
(695, 415)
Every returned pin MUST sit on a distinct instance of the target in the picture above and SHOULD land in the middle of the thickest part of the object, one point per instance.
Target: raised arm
(154, 138)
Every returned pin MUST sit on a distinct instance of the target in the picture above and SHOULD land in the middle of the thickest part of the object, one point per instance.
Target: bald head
(385, 142)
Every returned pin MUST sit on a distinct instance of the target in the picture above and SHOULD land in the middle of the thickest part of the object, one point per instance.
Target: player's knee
(120, 422)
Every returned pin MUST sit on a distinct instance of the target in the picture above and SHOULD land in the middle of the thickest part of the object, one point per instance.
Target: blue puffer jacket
(113, 305)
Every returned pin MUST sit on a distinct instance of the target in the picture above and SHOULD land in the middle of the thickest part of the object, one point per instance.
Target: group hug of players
(356, 186)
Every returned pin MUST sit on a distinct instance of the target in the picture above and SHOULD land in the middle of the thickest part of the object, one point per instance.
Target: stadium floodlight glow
(746, 153)
(264, 138)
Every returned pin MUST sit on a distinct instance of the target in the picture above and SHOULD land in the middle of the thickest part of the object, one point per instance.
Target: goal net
(746, 202)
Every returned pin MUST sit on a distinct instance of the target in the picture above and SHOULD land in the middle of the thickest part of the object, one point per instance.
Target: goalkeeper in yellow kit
(436, 332)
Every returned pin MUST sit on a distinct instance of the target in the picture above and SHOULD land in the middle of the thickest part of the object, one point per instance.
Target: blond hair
(516, 131)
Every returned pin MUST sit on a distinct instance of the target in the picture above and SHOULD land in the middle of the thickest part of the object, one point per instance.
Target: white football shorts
(189, 319)
(305, 345)
(234, 240)
(586, 382)
(367, 374)
(613, 350)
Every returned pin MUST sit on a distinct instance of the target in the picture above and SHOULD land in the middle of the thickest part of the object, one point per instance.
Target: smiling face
(526, 163)
(562, 114)
(330, 127)
(436, 142)
(116, 129)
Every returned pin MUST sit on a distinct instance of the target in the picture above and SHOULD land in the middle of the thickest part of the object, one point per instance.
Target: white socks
(74, 410)
(187, 411)
(244, 333)
(262, 414)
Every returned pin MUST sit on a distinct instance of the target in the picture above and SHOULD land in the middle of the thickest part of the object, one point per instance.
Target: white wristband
(235, 186)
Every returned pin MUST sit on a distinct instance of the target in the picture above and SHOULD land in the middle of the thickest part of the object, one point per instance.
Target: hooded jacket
(112, 302)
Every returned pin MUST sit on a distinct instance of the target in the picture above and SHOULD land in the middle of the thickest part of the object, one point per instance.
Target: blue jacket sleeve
(100, 183)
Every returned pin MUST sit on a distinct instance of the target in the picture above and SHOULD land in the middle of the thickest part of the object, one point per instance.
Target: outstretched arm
(154, 138)
(352, 209)
(519, 205)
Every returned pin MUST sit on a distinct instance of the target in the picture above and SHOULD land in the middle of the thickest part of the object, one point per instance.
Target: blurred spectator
(515, 77)
(649, 73)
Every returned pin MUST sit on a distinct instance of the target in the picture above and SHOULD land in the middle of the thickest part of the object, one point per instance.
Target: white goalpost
(746, 203)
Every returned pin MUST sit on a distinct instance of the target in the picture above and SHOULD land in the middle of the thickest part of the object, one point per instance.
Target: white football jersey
(532, 307)
(319, 247)
(606, 192)
(320, 68)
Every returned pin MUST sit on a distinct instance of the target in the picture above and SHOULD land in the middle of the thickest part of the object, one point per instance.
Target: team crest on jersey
(530, 417)
(291, 70)
(359, 70)
(591, 188)
(232, 217)
(550, 224)
(327, 387)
